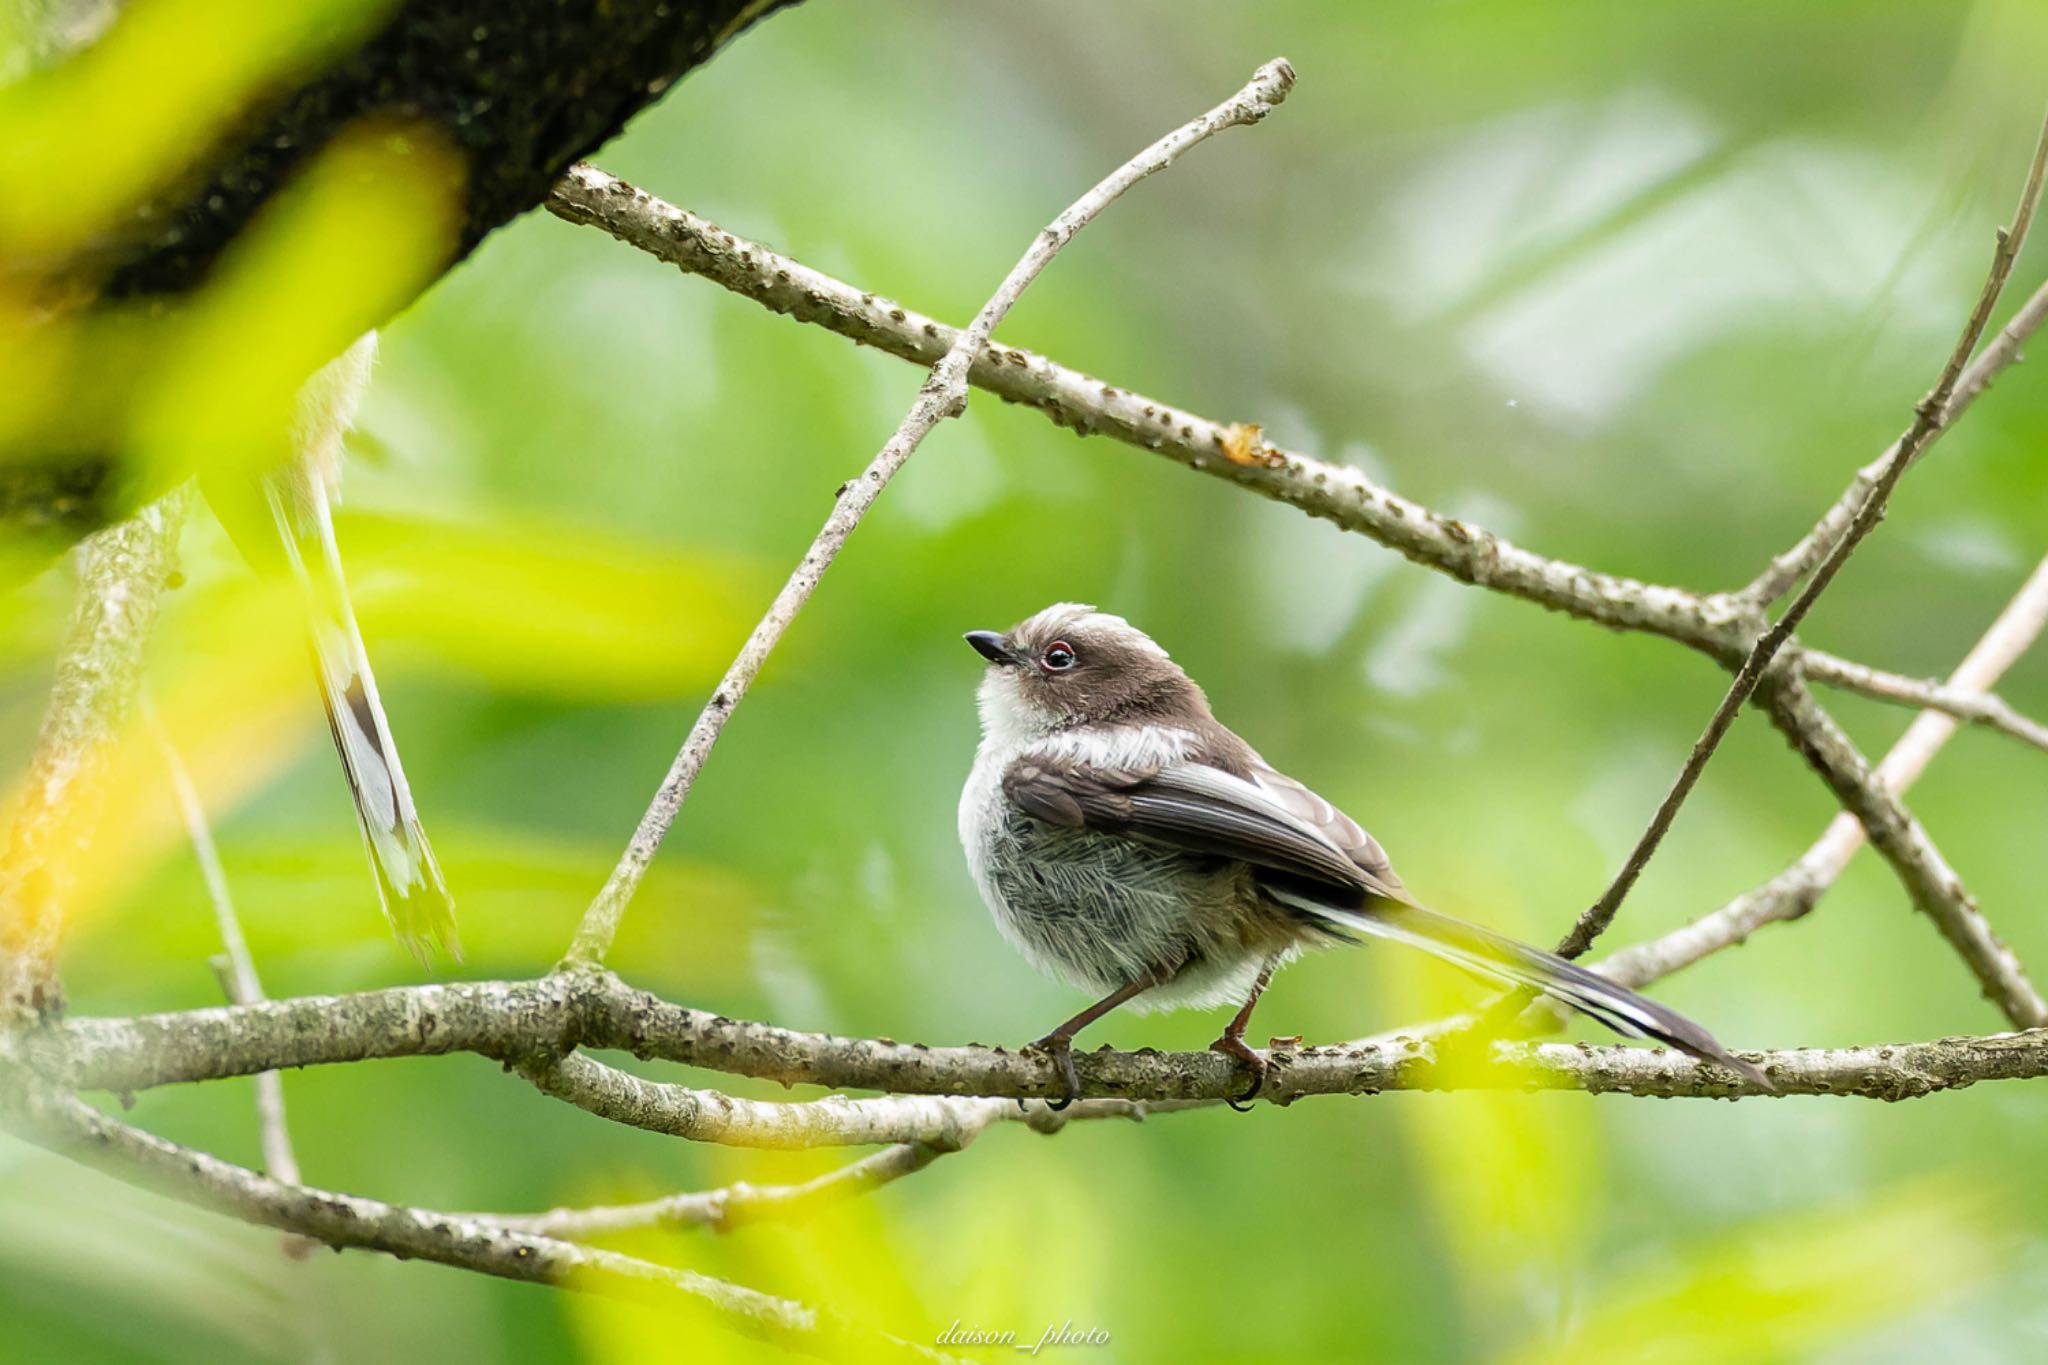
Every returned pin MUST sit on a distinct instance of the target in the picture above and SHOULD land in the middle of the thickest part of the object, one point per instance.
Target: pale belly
(1099, 912)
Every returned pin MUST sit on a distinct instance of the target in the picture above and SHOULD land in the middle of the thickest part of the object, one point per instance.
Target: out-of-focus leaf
(541, 607)
(1512, 1178)
(518, 894)
(129, 1272)
(1790, 1287)
(232, 687)
(88, 139)
(337, 252)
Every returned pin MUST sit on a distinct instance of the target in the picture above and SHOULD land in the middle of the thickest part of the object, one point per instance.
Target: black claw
(1061, 1051)
(1257, 1065)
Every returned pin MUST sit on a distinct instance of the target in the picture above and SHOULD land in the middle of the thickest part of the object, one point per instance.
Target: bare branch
(1929, 415)
(731, 1206)
(1089, 406)
(741, 1205)
(510, 1020)
(76, 1130)
(1795, 891)
(943, 395)
(1954, 399)
(122, 572)
(1900, 839)
(712, 1116)
(1987, 709)
(239, 978)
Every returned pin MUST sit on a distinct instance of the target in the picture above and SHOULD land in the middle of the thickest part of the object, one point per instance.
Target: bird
(283, 521)
(1130, 844)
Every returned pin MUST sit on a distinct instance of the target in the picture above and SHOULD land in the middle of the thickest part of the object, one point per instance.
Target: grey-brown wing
(1334, 825)
(1195, 807)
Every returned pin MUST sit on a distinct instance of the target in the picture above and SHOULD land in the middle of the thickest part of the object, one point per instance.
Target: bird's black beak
(989, 644)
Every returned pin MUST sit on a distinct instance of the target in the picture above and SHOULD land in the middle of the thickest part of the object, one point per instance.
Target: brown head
(1072, 665)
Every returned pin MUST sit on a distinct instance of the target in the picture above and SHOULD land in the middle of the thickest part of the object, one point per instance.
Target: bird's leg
(1232, 1043)
(1059, 1044)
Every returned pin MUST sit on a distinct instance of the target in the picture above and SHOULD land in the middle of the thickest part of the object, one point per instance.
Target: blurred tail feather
(415, 899)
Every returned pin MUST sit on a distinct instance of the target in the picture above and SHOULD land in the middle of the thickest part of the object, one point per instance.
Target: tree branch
(710, 1116)
(1987, 709)
(1933, 885)
(521, 87)
(731, 1206)
(76, 1130)
(510, 1020)
(1089, 406)
(237, 967)
(943, 395)
(1929, 417)
(1799, 887)
(122, 573)
(741, 1205)
(1961, 390)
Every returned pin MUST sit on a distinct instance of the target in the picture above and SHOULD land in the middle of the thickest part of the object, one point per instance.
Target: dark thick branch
(521, 88)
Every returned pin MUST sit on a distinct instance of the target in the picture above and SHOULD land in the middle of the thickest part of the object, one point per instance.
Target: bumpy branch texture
(1930, 415)
(1719, 625)
(1090, 406)
(1903, 842)
(517, 1021)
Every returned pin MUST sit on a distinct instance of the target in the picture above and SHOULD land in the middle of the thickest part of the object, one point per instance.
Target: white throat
(1008, 722)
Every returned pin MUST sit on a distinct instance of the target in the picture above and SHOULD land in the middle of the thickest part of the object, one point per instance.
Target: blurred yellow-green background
(1635, 285)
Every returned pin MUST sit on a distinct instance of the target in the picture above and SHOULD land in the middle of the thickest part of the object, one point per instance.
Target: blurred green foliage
(1636, 285)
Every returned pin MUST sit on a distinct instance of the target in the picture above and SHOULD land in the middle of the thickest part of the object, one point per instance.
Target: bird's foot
(1060, 1050)
(1233, 1045)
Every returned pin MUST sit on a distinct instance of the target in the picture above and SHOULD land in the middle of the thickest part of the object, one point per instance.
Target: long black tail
(1498, 958)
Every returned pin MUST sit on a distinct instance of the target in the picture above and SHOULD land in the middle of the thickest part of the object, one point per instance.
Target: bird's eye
(1058, 656)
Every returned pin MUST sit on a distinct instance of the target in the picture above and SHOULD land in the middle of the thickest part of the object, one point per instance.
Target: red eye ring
(1058, 656)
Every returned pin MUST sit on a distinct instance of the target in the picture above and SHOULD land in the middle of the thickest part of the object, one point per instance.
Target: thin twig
(730, 1206)
(1987, 709)
(65, 1125)
(1928, 417)
(943, 395)
(122, 573)
(238, 979)
(1786, 569)
(1900, 840)
(1795, 891)
(2003, 351)
(742, 1205)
